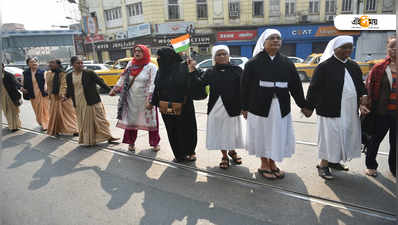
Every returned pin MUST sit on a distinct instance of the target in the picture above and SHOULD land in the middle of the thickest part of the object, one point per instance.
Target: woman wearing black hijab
(172, 87)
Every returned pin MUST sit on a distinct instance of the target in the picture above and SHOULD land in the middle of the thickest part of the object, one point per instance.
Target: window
(236, 62)
(258, 8)
(113, 14)
(290, 7)
(330, 6)
(347, 6)
(371, 5)
(314, 6)
(134, 9)
(174, 9)
(202, 9)
(234, 9)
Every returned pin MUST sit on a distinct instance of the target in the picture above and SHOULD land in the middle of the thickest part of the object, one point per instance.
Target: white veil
(215, 49)
(333, 44)
(260, 42)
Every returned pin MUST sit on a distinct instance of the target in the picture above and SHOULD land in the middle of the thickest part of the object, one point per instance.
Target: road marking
(382, 214)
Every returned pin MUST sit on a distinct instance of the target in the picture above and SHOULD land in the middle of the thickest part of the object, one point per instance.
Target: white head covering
(335, 43)
(214, 51)
(260, 42)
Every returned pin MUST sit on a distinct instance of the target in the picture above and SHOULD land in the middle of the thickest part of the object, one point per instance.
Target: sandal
(191, 158)
(262, 172)
(224, 164)
(324, 172)
(234, 157)
(278, 173)
(338, 166)
(371, 174)
(156, 148)
(131, 148)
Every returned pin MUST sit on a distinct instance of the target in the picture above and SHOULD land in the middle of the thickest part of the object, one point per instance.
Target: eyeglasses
(221, 54)
(274, 38)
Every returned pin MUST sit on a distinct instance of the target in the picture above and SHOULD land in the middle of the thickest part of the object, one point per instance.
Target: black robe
(263, 79)
(224, 81)
(12, 86)
(326, 87)
(172, 84)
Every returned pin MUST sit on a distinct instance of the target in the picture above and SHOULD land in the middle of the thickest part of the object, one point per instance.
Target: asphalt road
(46, 180)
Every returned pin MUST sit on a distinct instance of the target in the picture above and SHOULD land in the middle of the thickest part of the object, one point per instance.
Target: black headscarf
(167, 59)
(56, 79)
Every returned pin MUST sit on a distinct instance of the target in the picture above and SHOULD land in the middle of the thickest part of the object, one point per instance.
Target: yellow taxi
(306, 68)
(111, 76)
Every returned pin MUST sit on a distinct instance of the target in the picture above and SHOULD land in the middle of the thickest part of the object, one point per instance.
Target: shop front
(240, 42)
(301, 41)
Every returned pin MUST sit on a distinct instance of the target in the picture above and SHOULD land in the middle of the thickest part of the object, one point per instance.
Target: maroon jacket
(374, 79)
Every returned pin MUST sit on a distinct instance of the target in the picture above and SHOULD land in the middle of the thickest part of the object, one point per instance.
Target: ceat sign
(236, 35)
(300, 32)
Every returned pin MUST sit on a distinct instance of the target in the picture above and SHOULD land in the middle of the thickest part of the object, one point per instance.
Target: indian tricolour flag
(181, 43)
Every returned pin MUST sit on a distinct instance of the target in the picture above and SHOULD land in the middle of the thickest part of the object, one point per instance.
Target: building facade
(306, 24)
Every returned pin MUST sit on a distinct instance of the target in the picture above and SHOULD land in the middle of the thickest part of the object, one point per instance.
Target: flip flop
(263, 171)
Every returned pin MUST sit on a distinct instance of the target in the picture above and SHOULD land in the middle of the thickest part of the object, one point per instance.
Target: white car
(237, 61)
(17, 72)
(296, 59)
(96, 67)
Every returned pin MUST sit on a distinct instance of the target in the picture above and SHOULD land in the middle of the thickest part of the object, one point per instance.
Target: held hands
(112, 92)
(24, 90)
(307, 112)
(244, 113)
(149, 106)
(364, 102)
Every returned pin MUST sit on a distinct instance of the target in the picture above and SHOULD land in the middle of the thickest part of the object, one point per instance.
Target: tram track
(357, 208)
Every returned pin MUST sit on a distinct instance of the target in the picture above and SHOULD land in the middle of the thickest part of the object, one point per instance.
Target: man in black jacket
(335, 91)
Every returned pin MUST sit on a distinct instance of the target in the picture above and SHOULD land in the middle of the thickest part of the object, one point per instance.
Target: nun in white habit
(335, 91)
(224, 122)
(268, 81)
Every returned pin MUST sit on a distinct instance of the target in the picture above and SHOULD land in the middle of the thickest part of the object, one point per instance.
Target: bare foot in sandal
(224, 164)
(267, 174)
(371, 172)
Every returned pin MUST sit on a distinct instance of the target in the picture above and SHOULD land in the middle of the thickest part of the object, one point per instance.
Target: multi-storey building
(306, 25)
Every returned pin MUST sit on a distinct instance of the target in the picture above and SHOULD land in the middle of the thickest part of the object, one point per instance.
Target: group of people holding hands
(259, 95)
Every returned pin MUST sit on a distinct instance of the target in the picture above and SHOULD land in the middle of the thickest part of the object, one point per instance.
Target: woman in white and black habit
(224, 121)
(335, 91)
(268, 80)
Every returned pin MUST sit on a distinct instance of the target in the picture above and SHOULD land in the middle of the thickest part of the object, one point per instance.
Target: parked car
(17, 72)
(295, 59)
(306, 69)
(97, 67)
(237, 61)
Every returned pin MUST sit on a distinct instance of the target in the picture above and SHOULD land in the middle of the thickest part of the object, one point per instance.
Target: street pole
(93, 47)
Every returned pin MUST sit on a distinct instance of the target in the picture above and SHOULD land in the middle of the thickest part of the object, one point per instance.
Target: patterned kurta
(135, 116)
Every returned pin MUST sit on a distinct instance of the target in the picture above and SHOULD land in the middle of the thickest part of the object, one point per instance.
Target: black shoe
(178, 160)
(338, 166)
(76, 134)
(324, 172)
(14, 130)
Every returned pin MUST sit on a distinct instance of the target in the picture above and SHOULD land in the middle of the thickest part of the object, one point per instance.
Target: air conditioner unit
(329, 18)
(303, 19)
(110, 37)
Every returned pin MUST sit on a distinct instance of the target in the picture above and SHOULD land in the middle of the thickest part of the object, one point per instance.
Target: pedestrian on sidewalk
(10, 99)
(136, 86)
(90, 112)
(336, 91)
(62, 113)
(268, 80)
(382, 85)
(34, 89)
(172, 95)
(224, 121)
